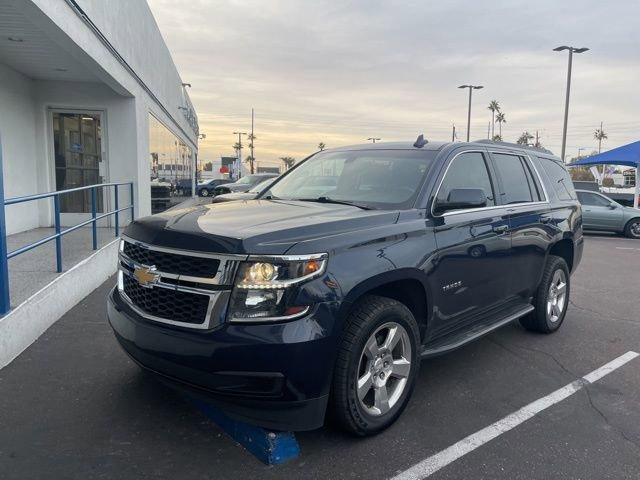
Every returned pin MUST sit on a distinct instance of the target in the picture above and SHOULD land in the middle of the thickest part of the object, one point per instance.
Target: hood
(234, 187)
(228, 197)
(253, 226)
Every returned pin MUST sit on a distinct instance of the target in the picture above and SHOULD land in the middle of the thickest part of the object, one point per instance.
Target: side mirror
(462, 198)
(613, 206)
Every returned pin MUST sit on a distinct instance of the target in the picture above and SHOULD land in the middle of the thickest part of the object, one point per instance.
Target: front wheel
(204, 192)
(551, 299)
(632, 229)
(376, 367)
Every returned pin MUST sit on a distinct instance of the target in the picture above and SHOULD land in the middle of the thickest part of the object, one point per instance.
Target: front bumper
(273, 375)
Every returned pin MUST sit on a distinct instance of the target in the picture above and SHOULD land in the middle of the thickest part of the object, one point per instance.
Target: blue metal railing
(59, 232)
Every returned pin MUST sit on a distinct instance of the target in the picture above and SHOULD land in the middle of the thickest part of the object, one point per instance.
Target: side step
(459, 338)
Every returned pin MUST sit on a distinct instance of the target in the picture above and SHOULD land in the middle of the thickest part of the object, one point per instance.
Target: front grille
(165, 303)
(171, 262)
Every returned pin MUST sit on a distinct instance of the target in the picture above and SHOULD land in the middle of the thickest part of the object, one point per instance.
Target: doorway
(79, 162)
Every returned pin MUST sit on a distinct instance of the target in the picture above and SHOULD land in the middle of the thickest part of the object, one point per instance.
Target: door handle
(500, 229)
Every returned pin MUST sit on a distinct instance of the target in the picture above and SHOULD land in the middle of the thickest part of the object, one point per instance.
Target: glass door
(77, 148)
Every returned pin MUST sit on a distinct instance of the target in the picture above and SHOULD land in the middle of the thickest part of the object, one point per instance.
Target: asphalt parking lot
(73, 406)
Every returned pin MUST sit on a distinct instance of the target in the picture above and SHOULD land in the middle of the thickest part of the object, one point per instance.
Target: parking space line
(430, 465)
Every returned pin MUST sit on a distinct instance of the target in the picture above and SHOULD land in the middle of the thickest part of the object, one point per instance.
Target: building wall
(126, 97)
(17, 126)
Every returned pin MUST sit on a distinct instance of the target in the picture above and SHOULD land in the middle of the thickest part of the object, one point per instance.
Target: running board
(455, 340)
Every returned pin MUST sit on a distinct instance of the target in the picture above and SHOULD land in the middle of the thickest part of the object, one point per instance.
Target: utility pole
(537, 144)
(572, 50)
(253, 159)
(471, 88)
(489, 131)
(374, 139)
(453, 133)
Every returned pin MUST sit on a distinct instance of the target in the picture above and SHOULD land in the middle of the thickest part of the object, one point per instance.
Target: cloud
(339, 72)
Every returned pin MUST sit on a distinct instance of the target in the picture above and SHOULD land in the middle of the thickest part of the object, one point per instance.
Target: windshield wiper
(337, 202)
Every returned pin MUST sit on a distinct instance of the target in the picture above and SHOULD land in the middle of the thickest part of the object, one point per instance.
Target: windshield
(261, 186)
(375, 178)
(249, 180)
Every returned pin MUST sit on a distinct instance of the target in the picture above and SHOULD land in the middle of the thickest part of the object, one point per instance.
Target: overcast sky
(339, 72)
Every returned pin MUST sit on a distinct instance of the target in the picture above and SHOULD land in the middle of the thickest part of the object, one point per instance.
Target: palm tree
(524, 138)
(500, 118)
(251, 158)
(321, 146)
(494, 106)
(288, 162)
(600, 135)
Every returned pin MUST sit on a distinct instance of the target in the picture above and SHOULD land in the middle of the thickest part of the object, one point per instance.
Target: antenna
(420, 142)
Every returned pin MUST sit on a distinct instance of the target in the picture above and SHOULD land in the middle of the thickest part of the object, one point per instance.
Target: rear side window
(593, 199)
(559, 178)
(518, 184)
(467, 170)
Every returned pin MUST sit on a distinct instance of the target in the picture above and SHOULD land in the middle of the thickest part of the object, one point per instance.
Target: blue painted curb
(270, 447)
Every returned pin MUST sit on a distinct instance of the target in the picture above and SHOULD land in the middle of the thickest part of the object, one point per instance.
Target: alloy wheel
(635, 229)
(557, 297)
(383, 370)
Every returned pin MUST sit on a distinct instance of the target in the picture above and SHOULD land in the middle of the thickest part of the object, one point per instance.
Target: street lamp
(374, 139)
(572, 50)
(471, 88)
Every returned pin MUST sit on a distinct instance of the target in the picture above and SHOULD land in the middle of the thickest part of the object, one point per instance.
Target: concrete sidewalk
(32, 270)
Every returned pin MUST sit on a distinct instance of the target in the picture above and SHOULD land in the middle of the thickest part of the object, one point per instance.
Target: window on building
(171, 161)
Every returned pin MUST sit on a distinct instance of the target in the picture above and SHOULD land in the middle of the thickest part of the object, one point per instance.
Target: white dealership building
(89, 94)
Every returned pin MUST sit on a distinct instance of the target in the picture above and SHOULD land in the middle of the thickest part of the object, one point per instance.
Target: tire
(368, 328)
(204, 192)
(632, 229)
(545, 318)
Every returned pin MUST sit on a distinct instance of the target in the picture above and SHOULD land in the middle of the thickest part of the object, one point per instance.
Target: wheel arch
(564, 249)
(406, 285)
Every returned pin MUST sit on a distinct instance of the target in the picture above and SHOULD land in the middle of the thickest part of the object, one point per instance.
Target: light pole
(374, 139)
(572, 50)
(239, 166)
(471, 88)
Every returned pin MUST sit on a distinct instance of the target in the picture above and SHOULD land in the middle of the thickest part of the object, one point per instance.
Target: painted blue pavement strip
(270, 447)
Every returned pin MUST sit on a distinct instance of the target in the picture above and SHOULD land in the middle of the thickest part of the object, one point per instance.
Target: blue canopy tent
(628, 155)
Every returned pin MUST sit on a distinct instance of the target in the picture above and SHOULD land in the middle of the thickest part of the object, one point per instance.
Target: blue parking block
(270, 447)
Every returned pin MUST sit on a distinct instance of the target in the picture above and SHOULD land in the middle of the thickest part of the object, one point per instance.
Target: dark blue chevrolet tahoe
(320, 297)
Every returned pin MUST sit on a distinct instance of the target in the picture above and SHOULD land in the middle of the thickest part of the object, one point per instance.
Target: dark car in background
(325, 293)
(206, 189)
(599, 212)
(244, 184)
(249, 195)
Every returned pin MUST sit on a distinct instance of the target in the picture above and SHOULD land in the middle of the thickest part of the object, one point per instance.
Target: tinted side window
(592, 199)
(517, 183)
(559, 178)
(467, 170)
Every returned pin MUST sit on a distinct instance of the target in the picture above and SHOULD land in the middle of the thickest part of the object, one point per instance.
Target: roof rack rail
(514, 145)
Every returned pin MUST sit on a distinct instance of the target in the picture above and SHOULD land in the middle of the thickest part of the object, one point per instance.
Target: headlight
(264, 286)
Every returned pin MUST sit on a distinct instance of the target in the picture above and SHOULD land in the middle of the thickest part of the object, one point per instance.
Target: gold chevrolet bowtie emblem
(146, 276)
